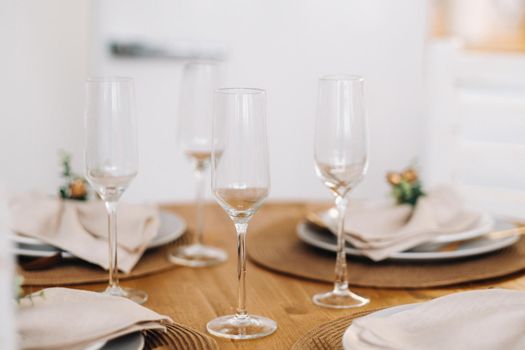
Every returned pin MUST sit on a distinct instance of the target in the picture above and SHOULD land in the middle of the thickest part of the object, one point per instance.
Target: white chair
(476, 126)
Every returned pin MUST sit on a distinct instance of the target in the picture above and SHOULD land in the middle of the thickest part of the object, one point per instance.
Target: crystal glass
(199, 80)
(240, 183)
(111, 157)
(341, 160)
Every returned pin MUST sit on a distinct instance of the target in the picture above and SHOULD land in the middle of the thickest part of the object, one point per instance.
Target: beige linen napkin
(380, 231)
(484, 319)
(81, 228)
(73, 319)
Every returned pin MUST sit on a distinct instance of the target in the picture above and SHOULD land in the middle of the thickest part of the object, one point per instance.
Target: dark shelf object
(183, 50)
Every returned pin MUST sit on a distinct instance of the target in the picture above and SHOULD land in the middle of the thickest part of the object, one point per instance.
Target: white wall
(282, 46)
(7, 106)
(42, 111)
(7, 315)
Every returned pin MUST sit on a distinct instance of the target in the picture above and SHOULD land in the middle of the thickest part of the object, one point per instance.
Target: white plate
(172, 226)
(427, 251)
(348, 338)
(484, 225)
(133, 341)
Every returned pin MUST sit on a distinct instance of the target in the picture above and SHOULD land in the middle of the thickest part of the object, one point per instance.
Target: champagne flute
(341, 161)
(111, 157)
(240, 183)
(199, 80)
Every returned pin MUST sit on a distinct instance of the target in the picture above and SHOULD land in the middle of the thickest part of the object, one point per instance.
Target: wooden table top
(193, 296)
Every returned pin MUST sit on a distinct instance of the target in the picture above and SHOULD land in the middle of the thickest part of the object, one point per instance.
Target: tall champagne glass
(199, 80)
(240, 183)
(341, 160)
(111, 157)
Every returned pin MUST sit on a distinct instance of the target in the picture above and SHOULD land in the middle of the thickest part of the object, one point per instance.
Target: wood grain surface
(195, 296)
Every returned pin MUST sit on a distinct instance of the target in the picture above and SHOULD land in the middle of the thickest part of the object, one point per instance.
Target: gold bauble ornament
(393, 178)
(77, 188)
(409, 175)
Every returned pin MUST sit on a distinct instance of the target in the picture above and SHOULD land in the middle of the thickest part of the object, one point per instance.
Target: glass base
(197, 255)
(340, 299)
(135, 295)
(247, 327)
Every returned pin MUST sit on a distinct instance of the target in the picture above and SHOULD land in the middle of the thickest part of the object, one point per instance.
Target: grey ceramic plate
(427, 251)
(485, 224)
(172, 226)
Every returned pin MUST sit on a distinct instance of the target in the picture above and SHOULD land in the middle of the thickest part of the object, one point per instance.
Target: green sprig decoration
(75, 186)
(18, 290)
(406, 186)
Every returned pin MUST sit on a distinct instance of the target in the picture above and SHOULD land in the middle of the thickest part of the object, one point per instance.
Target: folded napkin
(382, 230)
(81, 228)
(486, 319)
(73, 319)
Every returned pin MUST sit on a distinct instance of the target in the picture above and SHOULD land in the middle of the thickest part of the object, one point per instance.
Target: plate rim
(485, 224)
(385, 312)
(15, 239)
(302, 229)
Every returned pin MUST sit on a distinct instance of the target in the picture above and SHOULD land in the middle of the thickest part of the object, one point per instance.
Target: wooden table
(193, 296)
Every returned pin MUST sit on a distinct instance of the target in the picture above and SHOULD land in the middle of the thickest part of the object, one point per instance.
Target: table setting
(417, 269)
(430, 256)
(78, 231)
(103, 317)
(474, 319)
(429, 324)
(439, 218)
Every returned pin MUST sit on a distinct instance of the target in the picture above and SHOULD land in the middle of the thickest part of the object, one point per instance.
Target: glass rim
(240, 91)
(115, 79)
(342, 77)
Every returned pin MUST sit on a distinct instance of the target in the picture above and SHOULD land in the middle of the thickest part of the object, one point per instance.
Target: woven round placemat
(75, 271)
(178, 337)
(328, 336)
(277, 247)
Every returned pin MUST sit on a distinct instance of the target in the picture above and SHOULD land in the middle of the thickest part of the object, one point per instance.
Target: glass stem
(111, 207)
(199, 201)
(242, 228)
(341, 278)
